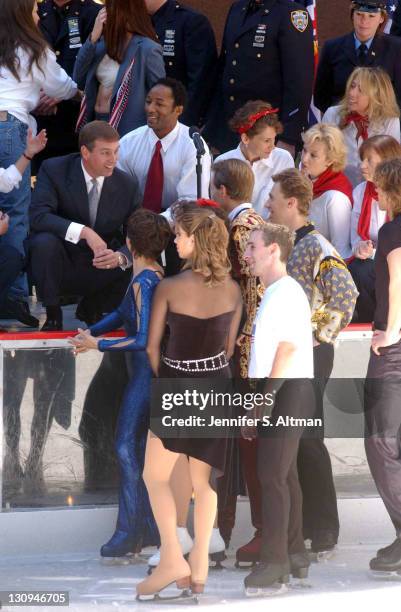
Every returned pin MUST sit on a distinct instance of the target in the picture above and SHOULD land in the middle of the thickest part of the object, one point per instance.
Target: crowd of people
(254, 259)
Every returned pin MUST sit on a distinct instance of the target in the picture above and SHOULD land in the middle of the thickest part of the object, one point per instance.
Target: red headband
(206, 202)
(252, 119)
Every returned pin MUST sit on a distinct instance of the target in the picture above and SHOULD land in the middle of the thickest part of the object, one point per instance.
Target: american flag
(391, 6)
(310, 5)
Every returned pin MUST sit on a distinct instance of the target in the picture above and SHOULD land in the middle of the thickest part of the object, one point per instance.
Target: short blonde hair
(272, 233)
(210, 255)
(294, 184)
(388, 178)
(333, 139)
(376, 84)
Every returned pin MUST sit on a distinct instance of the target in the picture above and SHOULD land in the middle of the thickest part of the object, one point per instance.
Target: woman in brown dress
(202, 307)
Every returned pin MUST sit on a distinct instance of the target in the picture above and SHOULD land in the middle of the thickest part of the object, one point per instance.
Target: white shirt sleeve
(393, 128)
(54, 80)
(9, 178)
(356, 213)
(124, 155)
(331, 115)
(339, 222)
(186, 187)
(74, 232)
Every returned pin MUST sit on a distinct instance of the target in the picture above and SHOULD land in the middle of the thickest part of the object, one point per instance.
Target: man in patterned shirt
(332, 294)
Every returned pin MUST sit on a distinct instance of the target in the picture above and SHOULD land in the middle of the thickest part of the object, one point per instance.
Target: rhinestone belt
(209, 364)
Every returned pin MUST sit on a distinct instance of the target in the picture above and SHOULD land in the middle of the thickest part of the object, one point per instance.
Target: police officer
(189, 50)
(364, 46)
(65, 24)
(267, 54)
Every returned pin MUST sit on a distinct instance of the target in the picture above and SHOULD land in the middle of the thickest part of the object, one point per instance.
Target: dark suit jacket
(60, 197)
(338, 59)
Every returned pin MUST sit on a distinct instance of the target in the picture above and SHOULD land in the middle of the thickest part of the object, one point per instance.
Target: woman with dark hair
(366, 221)
(27, 67)
(118, 65)
(258, 126)
(147, 237)
(202, 307)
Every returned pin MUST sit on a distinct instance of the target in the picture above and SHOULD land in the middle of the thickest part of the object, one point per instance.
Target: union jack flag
(310, 5)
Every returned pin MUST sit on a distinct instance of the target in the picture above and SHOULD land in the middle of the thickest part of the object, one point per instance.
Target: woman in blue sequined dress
(147, 237)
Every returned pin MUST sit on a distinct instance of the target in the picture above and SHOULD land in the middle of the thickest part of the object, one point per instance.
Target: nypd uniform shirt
(66, 28)
(190, 54)
(267, 54)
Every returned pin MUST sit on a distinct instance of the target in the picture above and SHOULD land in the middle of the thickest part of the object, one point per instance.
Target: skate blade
(165, 598)
(300, 583)
(321, 557)
(217, 558)
(128, 559)
(275, 589)
(245, 565)
(386, 575)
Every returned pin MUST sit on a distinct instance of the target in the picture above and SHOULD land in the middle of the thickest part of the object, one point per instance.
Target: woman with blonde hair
(366, 221)
(202, 307)
(257, 124)
(323, 160)
(369, 108)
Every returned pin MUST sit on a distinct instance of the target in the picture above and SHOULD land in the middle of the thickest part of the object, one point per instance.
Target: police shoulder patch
(300, 20)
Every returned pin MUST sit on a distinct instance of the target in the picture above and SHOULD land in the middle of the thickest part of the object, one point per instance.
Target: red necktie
(152, 197)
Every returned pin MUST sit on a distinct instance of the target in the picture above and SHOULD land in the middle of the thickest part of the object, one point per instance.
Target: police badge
(300, 20)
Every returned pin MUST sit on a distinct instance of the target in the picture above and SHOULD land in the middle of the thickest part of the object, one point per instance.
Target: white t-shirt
(284, 315)
(263, 170)
(390, 127)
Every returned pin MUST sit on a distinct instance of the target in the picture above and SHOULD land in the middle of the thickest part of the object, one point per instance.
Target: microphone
(197, 140)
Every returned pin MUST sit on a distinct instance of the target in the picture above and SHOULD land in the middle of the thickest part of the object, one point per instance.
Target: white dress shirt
(377, 217)
(263, 170)
(20, 98)
(330, 213)
(9, 178)
(179, 162)
(389, 127)
(74, 229)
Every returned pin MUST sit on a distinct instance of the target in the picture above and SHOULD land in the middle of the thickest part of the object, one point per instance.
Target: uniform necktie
(93, 198)
(152, 197)
(362, 54)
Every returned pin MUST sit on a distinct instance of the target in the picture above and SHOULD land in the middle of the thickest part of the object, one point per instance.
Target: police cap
(369, 6)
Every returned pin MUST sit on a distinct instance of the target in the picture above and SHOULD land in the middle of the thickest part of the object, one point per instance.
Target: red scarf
(369, 195)
(361, 123)
(330, 180)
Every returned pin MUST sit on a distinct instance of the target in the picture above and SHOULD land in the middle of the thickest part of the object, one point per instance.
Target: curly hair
(148, 233)
(210, 254)
(253, 107)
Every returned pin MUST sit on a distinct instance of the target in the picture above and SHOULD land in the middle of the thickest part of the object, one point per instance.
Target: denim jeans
(16, 203)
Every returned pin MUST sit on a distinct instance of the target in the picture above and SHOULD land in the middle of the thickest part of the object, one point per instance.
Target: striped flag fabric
(391, 6)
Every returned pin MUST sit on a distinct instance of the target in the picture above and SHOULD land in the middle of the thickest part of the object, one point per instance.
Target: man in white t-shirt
(282, 353)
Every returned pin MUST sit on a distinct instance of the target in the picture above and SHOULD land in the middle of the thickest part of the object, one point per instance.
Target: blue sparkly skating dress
(136, 527)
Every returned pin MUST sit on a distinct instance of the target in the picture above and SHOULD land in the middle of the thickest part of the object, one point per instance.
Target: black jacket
(190, 54)
(60, 197)
(267, 55)
(67, 28)
(338, 59)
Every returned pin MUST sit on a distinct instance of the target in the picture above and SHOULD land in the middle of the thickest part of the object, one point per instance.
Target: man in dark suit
(189, 51)
(365, 46)
(267, 54)
(80, 207)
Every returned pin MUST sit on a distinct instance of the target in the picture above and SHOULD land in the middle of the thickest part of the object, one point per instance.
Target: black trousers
(383, 427)
(59, 267)
(363, 273)
(278, 475)
(11, 264)
(320, 513)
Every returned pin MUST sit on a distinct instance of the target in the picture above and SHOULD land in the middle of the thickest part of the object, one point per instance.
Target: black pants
(363, 273)
(278, 475)
(59, 267)
(383, 425)
(315, 472)
(11, 264)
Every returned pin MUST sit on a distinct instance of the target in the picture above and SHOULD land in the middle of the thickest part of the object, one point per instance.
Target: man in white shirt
(282, 349)
(164, 104)
(80, 207)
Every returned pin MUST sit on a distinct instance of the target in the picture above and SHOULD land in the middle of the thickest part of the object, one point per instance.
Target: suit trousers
(60, 267)
(383, 427)
(278, 474)
(320, 513)
(11, 264)
(363, 273)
